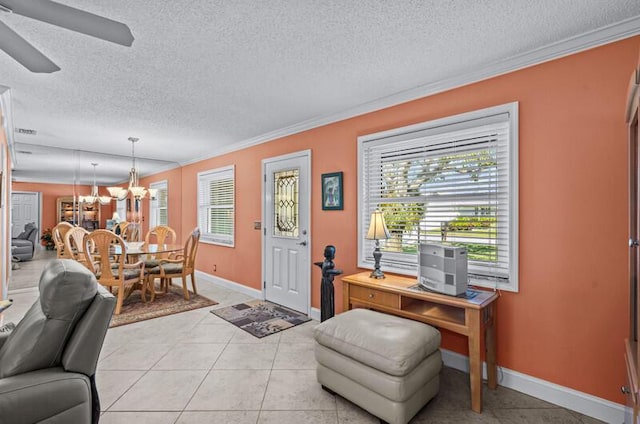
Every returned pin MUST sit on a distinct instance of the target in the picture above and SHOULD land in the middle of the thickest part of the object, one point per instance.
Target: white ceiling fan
(60, 15)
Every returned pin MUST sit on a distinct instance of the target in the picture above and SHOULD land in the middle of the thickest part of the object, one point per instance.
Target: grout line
(206, 375)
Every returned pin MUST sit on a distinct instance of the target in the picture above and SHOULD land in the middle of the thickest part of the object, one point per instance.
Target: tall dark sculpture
(327, 298)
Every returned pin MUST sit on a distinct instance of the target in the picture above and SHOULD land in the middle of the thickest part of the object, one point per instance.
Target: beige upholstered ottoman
(385, 364)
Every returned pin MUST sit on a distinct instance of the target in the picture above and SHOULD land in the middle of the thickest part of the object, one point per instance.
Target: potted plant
(47, 239)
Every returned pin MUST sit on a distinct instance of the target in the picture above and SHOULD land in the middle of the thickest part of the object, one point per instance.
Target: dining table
(134, 250)
(140, 248)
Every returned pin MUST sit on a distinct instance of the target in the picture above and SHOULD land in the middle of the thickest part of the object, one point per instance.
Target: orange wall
(567, 323)
(50, 194)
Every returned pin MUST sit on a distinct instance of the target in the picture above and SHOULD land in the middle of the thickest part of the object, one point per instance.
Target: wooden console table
(474, 318)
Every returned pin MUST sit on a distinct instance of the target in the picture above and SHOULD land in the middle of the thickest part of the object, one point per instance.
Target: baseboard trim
(315, 314)
(583, 403)
(24, 290)
(229, 284)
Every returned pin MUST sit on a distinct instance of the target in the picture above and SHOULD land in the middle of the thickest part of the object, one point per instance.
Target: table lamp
(377, 231)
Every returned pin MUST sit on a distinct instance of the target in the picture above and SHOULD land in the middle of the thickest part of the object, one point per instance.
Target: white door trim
(301, 153)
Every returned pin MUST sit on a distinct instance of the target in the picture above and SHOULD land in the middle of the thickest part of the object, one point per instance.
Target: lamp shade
(138, 191)
(377, 227)
(114, 191)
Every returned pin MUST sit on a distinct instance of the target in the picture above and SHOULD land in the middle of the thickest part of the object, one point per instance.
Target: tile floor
(194, 368)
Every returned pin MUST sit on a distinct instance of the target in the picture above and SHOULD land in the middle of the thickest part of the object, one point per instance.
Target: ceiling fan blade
(71, 18)
(23, 52)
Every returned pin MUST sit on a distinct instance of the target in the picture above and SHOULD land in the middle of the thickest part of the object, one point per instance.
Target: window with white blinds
(451, 181)
(159, 206)
(216, 205)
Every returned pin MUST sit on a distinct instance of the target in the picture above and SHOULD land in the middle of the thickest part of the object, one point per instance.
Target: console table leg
(475, 359)
(490, 342)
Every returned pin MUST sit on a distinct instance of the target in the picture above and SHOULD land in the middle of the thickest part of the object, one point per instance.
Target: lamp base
(377, 254)
(377, 274)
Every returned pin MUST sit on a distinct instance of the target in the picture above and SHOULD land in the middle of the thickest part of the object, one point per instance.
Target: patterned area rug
(134, 310)
(261, 318)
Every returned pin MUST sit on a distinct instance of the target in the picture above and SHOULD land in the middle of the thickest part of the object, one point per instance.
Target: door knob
(625, 390)
(633, 243)
(303, 243)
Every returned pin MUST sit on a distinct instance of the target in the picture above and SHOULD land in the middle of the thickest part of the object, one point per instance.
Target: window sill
(216, 243)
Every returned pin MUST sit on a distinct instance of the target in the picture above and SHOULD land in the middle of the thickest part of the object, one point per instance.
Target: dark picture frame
(332, 192)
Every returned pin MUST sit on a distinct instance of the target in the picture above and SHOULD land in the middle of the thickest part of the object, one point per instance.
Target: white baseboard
(315, 314)
(230, 284)
(25, 290)
(583, 403)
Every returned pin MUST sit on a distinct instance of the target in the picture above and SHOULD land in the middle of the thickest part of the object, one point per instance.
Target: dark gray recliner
(23, 247)
(48, 362)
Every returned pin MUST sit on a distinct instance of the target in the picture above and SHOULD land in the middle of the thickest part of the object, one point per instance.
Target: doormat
(261, 318)
(173, 302)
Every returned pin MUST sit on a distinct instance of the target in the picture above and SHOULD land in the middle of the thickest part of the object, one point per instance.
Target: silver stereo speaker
(442, 269)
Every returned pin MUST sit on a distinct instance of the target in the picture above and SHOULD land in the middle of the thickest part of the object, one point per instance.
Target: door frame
(302, 153)
(38, 209)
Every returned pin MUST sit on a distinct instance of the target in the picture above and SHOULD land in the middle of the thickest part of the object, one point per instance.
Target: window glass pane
(162, 216)
(456, 193)
(216, 205)
(285, 196)
(444, 182)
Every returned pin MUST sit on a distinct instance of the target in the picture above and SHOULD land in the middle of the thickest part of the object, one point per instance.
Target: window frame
(153, 204)
(210, 238)
(512, 284)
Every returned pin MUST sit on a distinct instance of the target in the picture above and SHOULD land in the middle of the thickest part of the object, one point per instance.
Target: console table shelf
(474, 318)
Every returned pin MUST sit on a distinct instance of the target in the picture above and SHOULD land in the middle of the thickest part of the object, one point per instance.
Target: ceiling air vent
(26, 131)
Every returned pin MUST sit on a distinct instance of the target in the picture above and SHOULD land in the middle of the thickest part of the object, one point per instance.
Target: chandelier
(138, 191)
(94, 196)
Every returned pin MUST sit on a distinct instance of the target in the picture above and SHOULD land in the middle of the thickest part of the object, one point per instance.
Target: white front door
(25, 208)
(286, 216)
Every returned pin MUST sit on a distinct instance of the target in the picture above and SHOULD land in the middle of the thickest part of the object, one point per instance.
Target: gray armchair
(48, 362)
(24, 246)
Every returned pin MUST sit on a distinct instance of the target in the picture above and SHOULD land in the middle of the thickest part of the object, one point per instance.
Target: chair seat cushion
(151, 263)
(384, 342)
(129, 274)
(21, 243)
(168, 269)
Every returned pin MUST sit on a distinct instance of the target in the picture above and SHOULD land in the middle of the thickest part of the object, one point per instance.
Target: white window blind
(447, 181)
(216, 205)
(159, 206)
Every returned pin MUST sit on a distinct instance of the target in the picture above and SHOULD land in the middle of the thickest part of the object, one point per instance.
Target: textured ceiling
(204, 75)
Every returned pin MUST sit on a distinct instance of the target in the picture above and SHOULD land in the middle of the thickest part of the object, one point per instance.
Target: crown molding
(19, 179)
(589, 40)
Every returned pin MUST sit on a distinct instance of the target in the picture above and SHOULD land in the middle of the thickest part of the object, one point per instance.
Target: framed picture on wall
(332, 199)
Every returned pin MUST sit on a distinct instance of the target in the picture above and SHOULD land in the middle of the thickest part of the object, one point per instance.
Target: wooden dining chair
(58, 234)
(131, 232)
(120, 227)
(74, 244)
(160, 234)
(178, 265)
(111, 270)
